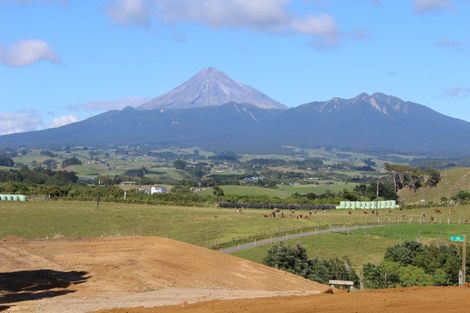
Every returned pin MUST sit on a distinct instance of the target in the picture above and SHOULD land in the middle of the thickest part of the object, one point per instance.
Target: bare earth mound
(415, 300)
(86, 275)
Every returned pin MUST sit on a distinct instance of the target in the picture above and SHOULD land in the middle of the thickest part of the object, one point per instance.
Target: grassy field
(92, 170)
(201, 226)
(452, 181)
(282, 191)
(170, 175)
(364, 246)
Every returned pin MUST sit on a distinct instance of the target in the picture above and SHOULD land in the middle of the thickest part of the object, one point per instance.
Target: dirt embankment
(415, 300)
(85, 275)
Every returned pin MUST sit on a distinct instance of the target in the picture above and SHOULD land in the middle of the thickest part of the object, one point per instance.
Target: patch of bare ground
(412, 300)
(87, 275)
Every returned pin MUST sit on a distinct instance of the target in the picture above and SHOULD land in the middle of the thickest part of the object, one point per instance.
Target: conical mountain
(211, 87)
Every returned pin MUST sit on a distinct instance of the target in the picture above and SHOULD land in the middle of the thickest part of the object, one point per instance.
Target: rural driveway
(268, 241)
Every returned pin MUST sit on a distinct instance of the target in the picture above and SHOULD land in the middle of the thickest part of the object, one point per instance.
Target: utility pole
(463, 270)
(378, 185)
(464, 259)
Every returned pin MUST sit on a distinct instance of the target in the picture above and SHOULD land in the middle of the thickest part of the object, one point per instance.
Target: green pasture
(281, 191)
(201, 226)
(367, 245)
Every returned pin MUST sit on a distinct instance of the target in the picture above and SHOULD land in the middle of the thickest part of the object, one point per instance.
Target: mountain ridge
(355, 124)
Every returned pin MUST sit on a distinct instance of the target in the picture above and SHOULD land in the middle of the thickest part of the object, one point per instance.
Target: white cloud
(260, 14)
(323, 27)
(19, 121)
(457, 92)
(320, 25)
(116, 104)
(424, 6)
(272, 16)
(64, 120)
(26, 52)
(129, 12)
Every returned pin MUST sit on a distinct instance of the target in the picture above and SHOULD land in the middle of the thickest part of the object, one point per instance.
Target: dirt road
(278, 239)
(415, 300)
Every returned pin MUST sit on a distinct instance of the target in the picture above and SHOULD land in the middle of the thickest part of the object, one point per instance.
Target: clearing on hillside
(78, 276)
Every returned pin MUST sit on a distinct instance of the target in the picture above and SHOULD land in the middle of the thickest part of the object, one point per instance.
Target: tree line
(405, 265)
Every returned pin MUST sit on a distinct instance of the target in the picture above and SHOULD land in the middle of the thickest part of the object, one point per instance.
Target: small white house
(158, 190)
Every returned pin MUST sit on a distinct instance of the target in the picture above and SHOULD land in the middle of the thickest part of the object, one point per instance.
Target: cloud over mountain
(19, 121)
(64, 120)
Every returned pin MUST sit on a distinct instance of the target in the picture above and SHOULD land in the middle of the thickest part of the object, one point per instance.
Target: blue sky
(62, 61)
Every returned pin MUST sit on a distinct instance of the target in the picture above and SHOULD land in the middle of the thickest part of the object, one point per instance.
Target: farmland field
(282, 191)
(363, 246)
(201, 226)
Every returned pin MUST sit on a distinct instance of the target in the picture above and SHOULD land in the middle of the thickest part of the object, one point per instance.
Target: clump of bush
(414, 264)
(294, 259)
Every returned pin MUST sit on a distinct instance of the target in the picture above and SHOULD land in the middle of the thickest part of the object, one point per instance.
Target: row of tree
(405, 265)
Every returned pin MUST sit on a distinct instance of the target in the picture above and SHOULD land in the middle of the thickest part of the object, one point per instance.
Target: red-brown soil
(84, 275)
(413, 300)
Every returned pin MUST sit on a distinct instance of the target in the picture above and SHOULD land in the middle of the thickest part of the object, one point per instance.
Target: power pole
(378, 185)
(464, 259)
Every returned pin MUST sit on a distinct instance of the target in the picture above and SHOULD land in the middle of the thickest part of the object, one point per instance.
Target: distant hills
(213, 112)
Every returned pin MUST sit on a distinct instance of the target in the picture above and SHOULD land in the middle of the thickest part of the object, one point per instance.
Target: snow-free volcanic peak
(211, 87)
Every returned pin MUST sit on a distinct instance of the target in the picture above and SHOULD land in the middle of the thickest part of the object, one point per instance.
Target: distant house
(253, 179)
(158, 190)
